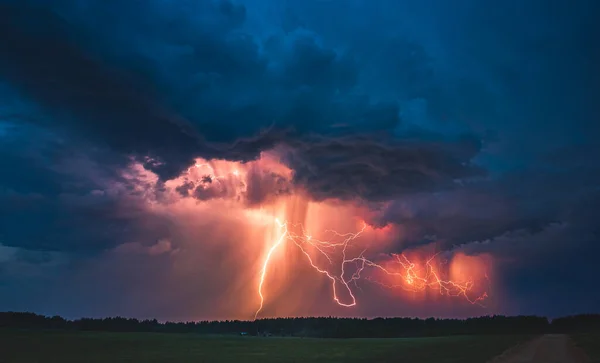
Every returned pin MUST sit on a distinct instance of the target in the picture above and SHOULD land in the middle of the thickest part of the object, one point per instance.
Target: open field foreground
(29, 347)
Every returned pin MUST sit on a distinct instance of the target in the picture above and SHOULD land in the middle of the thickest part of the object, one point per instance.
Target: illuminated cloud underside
(284, 229)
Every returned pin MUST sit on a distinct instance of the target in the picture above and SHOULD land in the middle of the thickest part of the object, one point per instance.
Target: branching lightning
(339, 259)
(412, 278)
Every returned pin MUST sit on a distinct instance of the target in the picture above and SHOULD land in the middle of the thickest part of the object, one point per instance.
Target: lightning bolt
(266, 265)
(341, 262)
(413, 279)
(414, 282)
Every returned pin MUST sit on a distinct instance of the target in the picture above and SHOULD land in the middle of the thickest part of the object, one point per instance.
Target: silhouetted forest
(326, 327)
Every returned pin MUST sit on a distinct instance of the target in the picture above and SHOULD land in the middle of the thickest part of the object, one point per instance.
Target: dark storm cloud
(73, 222)
(460, 216)
(172, 88)
(561, 188)
(43, 57)
(351, 166)
(53, 197)
(372, 99)
(555, 263)
(519, 68)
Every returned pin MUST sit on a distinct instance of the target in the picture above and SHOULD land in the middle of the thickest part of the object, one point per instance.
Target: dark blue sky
(473, 122)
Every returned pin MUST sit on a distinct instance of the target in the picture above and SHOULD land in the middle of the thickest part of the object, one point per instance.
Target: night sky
(465, 128)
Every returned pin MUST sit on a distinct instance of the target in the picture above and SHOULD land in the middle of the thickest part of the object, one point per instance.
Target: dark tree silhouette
(325, 327)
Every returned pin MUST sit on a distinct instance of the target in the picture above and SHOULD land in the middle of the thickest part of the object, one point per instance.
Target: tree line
(325, 327)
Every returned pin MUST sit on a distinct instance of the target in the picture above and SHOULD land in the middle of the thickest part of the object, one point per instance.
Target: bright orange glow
(412, 277)
(418, 279)
(278, 241)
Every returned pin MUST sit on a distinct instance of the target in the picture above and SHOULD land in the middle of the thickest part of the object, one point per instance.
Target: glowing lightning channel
(412, 279)
(431, 279)
(266, 264)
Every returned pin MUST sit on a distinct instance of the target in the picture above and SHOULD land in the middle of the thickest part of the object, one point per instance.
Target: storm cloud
(461, 126)
(209, 89)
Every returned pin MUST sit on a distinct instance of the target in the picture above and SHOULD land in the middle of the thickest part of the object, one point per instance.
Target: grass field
(29, 347)
(590, 343)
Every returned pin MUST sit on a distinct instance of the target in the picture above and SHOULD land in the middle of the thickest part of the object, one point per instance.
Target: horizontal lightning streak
(412, 279)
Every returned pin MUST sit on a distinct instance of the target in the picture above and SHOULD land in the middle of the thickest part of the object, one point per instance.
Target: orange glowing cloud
(288, 246)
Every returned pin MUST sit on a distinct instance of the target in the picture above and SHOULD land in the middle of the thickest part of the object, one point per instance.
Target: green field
(590, 343)
(29, 347)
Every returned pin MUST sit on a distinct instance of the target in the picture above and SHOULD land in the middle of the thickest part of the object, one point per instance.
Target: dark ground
(590, 343)
(39, 346)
